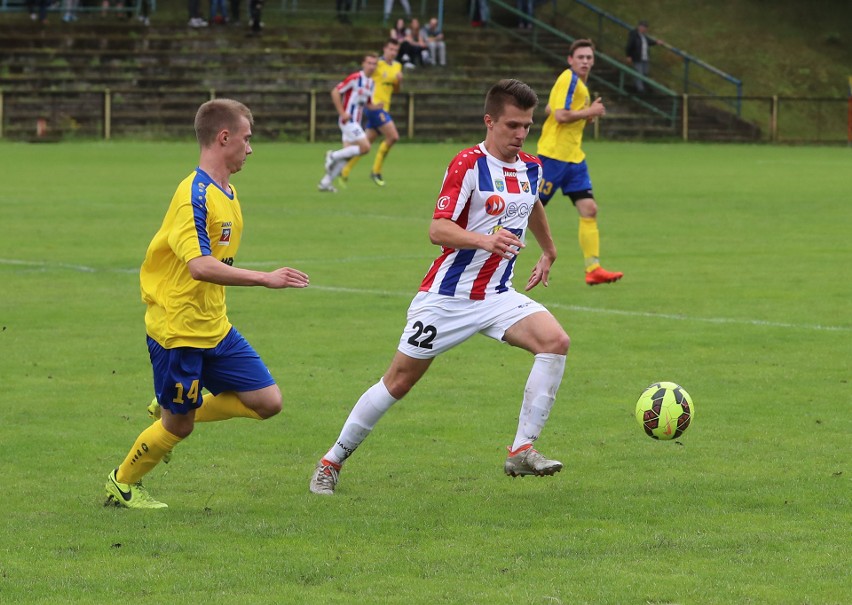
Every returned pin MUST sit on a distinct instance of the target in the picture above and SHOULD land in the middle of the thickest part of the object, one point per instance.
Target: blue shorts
(376, 118)
(573, 179)
(181, 373)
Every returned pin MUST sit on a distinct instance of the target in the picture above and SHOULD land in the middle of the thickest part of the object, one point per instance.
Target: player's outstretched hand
(540, 273)
(503, 243)
(285, 277)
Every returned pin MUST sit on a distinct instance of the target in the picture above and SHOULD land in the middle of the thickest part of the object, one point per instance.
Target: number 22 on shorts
(423, 335)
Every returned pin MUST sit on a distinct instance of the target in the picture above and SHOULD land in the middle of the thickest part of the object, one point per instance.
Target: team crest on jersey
(498, 184)
(525, 186)
(225, 239)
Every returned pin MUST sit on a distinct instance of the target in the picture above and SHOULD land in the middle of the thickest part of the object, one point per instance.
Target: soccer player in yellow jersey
(559, 149)
(191, 343)
(388, 79)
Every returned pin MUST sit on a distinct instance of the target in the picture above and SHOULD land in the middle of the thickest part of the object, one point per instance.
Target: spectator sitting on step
(416, 38)
(397, 32)
(407, 51)
(435, 42)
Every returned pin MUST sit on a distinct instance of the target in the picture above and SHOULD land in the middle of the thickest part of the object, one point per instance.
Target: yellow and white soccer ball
(665, 410)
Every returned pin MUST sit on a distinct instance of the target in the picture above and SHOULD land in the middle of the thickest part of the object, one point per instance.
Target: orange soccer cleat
(602, 276)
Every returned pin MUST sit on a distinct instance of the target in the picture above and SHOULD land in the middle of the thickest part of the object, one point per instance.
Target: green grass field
(737, 263)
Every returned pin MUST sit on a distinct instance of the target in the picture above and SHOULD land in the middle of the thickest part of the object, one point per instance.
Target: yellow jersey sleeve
(385, 78)
(563, 141)
(202, 220)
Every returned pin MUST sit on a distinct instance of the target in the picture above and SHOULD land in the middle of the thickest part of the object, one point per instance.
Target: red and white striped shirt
(356, 91)
(482, 194)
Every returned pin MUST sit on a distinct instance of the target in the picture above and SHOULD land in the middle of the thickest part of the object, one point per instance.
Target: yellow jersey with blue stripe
(562, 141)
(386, 80)
(202, 219)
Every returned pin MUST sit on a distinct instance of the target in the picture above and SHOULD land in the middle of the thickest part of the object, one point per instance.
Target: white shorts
(436, 323)
(352, 132)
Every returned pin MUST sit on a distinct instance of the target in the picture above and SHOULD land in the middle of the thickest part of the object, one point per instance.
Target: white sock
(367, 411)
(345, 153)
(539, 395)
(340, 157)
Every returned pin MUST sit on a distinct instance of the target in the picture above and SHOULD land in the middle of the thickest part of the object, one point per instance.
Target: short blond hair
(217, 115)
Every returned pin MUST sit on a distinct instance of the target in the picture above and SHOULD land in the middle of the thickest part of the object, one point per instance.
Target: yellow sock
(349, 166)
(380, 157)
(590, 243)
(223, 406)
(150, 447)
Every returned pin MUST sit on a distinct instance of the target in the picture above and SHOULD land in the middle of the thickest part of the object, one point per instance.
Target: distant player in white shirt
(488, 200)
(349, 98)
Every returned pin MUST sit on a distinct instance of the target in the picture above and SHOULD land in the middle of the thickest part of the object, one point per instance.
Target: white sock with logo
(539, 395)
(367, 411)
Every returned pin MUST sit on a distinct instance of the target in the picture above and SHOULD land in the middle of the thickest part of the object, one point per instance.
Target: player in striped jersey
(388, 78)
(568, 109)
(488, 201)
(350, 97)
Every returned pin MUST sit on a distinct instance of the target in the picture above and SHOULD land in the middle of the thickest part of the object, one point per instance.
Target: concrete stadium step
(174, 67)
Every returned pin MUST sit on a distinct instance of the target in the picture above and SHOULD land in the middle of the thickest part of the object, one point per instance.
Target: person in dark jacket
(637, 51)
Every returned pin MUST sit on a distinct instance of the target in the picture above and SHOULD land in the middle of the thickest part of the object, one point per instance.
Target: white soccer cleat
(325, 478)
(528, 461)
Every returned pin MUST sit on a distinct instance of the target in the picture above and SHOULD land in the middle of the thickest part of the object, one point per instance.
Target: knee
(397, 386)
(588, 208)
(271, 406)
(392, 138)
(179, 425)
(559, 343)
(182, 431)
(564, 344)
(364, 147)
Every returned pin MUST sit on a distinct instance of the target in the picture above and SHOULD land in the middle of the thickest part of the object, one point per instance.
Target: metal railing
(692, 82)
(541, 30)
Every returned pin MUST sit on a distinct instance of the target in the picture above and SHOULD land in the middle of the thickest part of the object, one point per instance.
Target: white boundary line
(555, 305)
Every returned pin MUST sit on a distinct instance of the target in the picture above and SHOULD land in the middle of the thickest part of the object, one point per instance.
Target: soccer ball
(664, 410)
